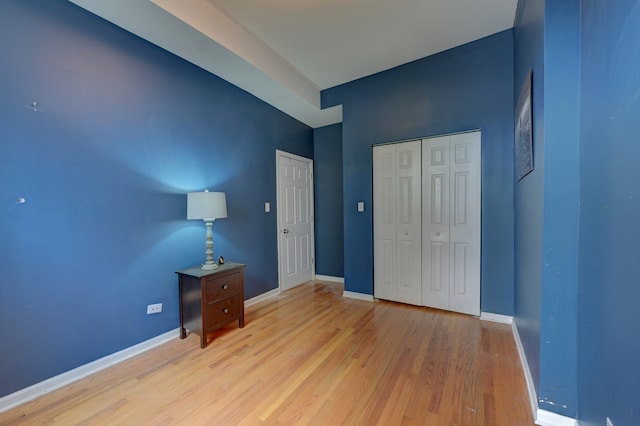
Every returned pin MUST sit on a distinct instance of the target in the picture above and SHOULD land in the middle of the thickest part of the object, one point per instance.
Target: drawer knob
(225, 310)
(224, 287)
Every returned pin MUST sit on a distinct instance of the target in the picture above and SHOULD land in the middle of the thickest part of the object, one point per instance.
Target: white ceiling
(286, 51)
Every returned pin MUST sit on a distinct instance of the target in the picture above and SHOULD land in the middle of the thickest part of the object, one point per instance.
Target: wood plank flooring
(309, 357)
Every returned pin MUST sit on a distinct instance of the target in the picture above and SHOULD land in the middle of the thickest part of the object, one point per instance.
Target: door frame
(279, 154)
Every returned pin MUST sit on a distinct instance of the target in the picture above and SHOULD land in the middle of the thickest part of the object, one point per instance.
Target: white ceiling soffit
(286, 51)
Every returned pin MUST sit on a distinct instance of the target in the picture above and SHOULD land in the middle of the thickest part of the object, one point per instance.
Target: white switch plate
(267, 207)
(360, 206)
(154, 309)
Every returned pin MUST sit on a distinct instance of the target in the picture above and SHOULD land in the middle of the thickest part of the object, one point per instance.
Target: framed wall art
(524, 130)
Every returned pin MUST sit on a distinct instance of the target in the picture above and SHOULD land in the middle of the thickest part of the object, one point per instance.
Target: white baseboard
(32, 392)
(359, 296)
(547, 418)
(330, 278)
(542, 417)
(533, 396)
(502, 319)
(259, 298)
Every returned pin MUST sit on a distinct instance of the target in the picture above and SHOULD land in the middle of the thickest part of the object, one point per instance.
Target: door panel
(409, 223)
(384, 222)
(290, 256)
(459, 270)
(466, 225)
(397, 222)
(435, 222)
(439, 267)
(460, 202)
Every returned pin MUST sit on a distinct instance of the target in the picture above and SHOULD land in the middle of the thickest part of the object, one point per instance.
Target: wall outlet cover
(156, 308)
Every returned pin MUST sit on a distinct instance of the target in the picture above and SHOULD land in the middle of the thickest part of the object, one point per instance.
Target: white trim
(330, 278)
(359, 296)
(547, 418)
(502, 319)
(259, 298)
(533, 397)
(34, 391)
(542, 417)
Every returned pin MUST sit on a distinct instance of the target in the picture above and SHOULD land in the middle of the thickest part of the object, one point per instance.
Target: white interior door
(451, 189)
(295, 220)
(397, 222)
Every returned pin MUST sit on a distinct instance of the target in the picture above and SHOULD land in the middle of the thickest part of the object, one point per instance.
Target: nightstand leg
(183, 333)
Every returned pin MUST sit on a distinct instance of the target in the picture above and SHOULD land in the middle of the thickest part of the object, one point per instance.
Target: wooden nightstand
(210, 299)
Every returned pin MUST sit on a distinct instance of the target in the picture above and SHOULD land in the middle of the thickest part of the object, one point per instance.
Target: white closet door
(409, 223)
(435, 222)
(397, 222)
(384, 222)
(451, 188)
(465, 223)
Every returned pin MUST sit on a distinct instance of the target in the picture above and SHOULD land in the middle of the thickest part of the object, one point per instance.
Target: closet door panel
(435, 220)
(409, 223)
(384, 222)
(397, 222)
(465, 223)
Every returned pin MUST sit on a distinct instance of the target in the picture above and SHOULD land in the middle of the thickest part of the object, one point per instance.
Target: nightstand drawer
(223, 310)
(223, 287)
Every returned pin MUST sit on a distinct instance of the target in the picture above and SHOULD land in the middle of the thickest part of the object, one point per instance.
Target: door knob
(437, 234)
(285, 231)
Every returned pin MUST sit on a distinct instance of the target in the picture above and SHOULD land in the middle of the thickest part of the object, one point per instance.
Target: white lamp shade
(206, 205)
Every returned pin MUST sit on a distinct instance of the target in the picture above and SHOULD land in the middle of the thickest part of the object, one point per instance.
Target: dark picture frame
(524, 130)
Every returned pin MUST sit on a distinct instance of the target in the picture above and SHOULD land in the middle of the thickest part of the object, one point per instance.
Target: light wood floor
(309, 356)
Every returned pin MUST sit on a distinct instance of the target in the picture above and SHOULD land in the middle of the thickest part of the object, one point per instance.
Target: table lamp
(207, 206)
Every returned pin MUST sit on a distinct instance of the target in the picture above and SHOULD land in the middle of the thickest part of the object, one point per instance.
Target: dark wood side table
(210, 299)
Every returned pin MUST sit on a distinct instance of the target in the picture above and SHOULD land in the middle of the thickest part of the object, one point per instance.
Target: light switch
(360, 206)
(267, 207)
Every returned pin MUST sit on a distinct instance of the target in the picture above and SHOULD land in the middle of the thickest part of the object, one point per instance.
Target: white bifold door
(443, 190)
(397, 222)
(451, 222)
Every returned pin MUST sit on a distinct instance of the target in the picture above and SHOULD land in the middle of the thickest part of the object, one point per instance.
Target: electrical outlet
(154, 309)
(609, 422)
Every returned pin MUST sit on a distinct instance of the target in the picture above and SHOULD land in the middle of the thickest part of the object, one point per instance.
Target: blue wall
(123, 130)
(469, 87)
(329, 228)
(547, 40)
(609, 266)
(529, 192)
(558, 337)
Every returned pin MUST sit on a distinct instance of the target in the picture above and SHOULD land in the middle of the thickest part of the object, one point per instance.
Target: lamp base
(209, 266)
